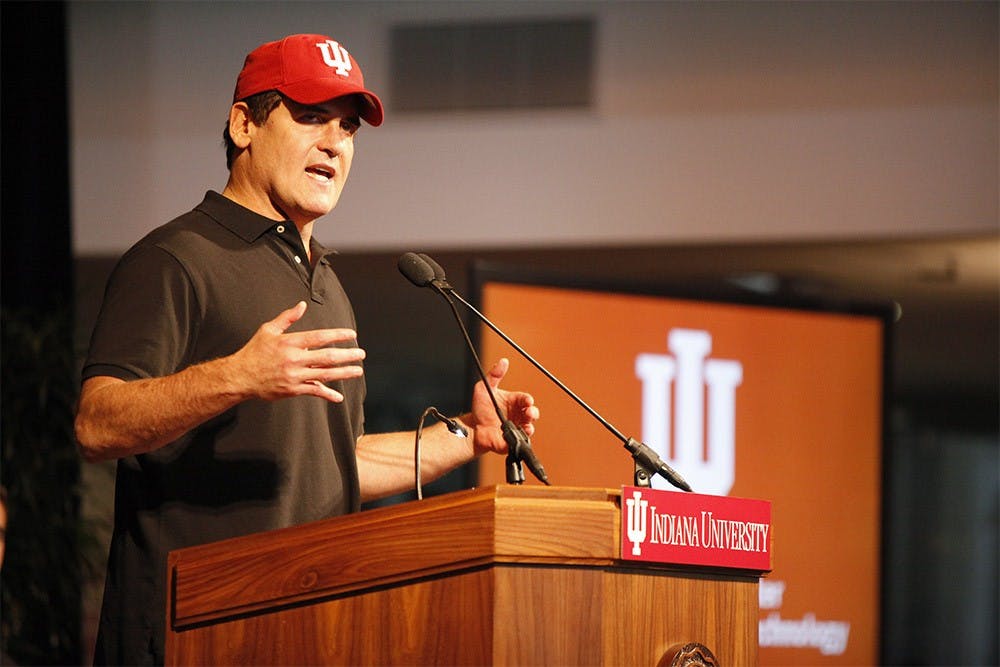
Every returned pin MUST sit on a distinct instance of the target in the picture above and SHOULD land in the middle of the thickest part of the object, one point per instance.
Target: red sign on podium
(695, 529)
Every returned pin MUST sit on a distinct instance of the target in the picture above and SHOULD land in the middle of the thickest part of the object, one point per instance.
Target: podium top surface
(467, 529)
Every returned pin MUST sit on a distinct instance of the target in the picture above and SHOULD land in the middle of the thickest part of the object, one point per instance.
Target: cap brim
(315, 92)
(372, 112)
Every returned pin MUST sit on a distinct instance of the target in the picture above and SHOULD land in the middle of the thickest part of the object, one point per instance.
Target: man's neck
(233, 192)
(305, 231)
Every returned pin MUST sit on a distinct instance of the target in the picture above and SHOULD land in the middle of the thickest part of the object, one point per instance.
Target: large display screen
(776, 401)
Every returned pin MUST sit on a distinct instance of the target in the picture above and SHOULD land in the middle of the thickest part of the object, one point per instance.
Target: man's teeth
(322, 173)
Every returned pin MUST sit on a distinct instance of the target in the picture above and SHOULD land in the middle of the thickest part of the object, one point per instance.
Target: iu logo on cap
(336, 56)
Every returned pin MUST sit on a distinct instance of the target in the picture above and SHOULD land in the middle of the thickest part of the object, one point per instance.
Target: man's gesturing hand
(275, 364)
(517, 405)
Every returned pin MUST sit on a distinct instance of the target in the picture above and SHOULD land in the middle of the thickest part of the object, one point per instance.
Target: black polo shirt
(196, 289)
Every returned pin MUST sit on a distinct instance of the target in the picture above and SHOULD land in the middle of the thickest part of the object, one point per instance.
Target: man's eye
(309, 117)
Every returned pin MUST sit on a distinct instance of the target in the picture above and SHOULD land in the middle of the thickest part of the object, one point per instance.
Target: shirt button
(281, 229)
(298, 260)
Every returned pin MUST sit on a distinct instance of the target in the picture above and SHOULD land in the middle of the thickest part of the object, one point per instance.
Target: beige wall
(714, 122)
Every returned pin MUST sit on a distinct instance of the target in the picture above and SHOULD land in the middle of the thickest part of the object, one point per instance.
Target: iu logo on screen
(684, 394)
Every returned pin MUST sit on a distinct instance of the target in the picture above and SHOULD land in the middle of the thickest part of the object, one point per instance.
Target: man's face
(300, 157)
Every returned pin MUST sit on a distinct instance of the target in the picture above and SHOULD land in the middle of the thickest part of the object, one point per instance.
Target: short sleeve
(147, 322)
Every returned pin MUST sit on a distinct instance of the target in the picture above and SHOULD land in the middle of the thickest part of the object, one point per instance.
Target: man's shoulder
(216, 220)
(186, 230)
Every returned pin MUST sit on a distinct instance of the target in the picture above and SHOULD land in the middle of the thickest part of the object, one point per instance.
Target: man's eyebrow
(314, 108)
(327, 111)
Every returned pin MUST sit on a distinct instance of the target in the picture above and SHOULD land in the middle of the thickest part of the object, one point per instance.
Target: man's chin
(315, 210)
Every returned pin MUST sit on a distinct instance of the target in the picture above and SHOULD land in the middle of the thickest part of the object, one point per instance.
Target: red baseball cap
(309, 69)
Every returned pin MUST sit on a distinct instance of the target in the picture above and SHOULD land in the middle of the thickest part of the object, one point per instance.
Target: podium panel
(494, 576)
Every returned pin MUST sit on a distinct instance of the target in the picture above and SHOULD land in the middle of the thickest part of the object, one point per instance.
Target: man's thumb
(498, 371)
(287, 318)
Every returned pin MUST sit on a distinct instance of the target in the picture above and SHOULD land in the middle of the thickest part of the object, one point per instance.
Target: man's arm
(118, 418)
(385, 461)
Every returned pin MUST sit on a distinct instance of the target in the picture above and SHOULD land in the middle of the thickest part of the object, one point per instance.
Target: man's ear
(239, 124)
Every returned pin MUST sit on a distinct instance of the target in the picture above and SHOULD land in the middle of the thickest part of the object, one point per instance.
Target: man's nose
(335, 137)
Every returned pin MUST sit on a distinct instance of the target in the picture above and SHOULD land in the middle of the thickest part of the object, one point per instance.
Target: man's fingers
(497, 372)
(324, 391)
(318, 338)
(287, 318)
(329, 373)
(328, 357)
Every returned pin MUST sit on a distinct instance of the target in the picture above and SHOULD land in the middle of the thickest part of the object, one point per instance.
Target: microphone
(423, 271)
(453, 426)
(416, 269)
(647, 461)
(439, 277)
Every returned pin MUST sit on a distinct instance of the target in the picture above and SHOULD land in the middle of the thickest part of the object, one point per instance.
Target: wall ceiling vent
(492, 65)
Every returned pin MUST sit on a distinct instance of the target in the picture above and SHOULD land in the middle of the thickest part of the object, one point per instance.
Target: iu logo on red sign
(674, 410)
(635, 508)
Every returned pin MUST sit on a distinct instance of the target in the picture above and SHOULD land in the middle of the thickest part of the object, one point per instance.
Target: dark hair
(261, 105)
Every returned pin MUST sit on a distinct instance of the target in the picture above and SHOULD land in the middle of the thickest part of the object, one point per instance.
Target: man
(223, 372)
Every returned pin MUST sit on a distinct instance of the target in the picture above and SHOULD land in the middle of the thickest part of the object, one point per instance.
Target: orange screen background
(808, 427)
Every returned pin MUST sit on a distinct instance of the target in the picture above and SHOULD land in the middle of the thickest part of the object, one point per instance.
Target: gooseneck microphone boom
(424, 271)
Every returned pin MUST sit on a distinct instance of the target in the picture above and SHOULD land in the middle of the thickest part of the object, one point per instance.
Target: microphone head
(439, 278)
(416, 269)
(438, 271)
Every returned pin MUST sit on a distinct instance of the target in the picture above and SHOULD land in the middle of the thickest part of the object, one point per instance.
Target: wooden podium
(501, 575)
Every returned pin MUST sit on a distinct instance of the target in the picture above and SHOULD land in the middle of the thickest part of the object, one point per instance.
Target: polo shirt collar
(246, 224)
(238, 219)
